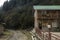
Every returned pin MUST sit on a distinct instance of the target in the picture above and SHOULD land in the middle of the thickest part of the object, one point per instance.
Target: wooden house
(46, 15)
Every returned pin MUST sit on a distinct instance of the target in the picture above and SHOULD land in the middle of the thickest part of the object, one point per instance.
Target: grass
(27, 33)
(5, 35)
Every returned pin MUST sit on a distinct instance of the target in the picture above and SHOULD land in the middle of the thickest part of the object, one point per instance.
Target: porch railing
(45, 35)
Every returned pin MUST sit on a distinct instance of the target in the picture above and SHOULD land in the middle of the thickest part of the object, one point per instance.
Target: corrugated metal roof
(47, 7)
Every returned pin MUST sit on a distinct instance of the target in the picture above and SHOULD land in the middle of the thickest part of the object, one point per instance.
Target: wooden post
(49, 34)
(35, 20)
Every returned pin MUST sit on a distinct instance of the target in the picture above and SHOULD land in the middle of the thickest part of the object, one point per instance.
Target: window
(43, 12)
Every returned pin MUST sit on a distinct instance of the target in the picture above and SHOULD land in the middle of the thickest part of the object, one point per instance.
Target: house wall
(45, 18)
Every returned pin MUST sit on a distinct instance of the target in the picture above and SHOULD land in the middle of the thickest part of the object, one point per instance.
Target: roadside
(7, 34)
(27, 33)
(16, 35)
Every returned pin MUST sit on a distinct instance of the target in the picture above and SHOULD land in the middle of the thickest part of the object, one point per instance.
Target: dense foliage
(19, 13)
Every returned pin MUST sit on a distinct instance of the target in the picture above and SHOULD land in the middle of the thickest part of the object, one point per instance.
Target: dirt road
(17, 35)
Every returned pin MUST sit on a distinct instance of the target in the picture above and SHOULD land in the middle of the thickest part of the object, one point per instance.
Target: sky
(2, 2)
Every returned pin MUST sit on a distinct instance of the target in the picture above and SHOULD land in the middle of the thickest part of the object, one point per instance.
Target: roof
(47, 7)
